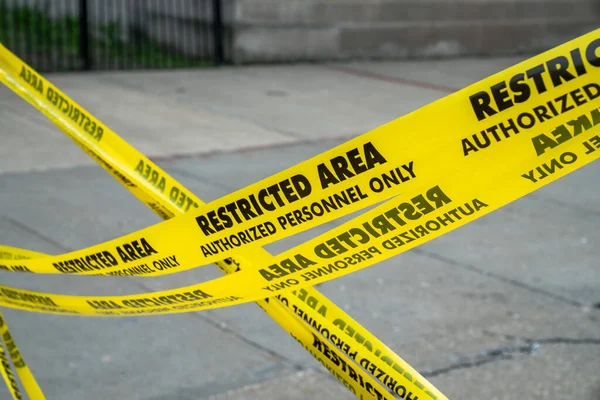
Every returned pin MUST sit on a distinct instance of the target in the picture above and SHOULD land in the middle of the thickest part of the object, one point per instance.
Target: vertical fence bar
(154, 5)
(162, 17)
(84, 44)
(7, 29)
(61, 35)
(102, 17)
(98, 36)
(19, 28)
(169, 33)
(4, 28)
(110, 45)
(127, 40)
(121, 18)
(208, 30)
(110, 54)
(173, 40)
(192, 13)
(38, 44)
(47, 38)
(118, 14)
(28, 56)
(217, 32)
(202, 28)
(185, 42)
(138, 29)
(148, 34)
(57, 32)
(181, 33)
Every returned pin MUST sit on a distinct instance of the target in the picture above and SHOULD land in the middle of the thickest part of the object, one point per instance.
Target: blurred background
(222, 93)
(71, 35)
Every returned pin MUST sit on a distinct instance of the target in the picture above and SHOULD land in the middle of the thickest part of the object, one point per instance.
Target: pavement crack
(530, 347)
(497, 277)
(586, 212)
(550, 340)
(35, 233)
(463, 365)
(201, 179)
(391, 79)
(335, 140)
(178, 99)
(227, 330)
(218, 325)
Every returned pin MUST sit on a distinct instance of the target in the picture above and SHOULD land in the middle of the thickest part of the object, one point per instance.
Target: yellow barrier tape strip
(354, 344)
(492, 175)
(8, 375)
(495, 174)
(394, 372)
(358, 381)
(525, 115)
(567, 157)
(361, 345)
(448, 207)
(24, 373)
(340, 365)
(82, 127)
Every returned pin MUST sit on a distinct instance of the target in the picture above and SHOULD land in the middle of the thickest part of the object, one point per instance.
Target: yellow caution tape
(357, 345)
(8, 375)
(23, 372)
(574, 134)
(453, 161)
(351, 375)
(519, 129)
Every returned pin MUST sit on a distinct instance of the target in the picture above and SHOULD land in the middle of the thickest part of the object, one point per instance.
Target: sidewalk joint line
(497, 277)
(391, 79)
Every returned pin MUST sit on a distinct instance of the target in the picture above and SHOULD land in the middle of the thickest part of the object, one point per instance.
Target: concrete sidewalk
(506, 307)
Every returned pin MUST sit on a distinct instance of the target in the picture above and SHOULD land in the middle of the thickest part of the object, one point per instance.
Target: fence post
(84, 48)
(217, 32)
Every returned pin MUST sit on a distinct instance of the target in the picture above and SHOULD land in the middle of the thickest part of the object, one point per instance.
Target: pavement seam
(508, 353)
(583, 210)
(221, 326)
(35, 233)
(248, 149)
(167, 158)
(483, 358)
(391, 79)
(219, 113)
(497, 277)
(257, 346)
(218, 325)
(257, 385)
(200, 179)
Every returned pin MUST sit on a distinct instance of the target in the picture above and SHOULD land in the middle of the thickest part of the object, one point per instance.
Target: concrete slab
(539, 375)
(539, 241)
(107, 344)
(305, 101)
(298, 386)
(424, 304)
(443, 75)
(145, 120)
(466, 310)
(182, 357)
(162, 113)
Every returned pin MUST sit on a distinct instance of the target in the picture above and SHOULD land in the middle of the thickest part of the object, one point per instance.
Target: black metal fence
(71, 35)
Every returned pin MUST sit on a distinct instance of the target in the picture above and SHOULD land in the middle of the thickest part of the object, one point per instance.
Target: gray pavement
(506, 307)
